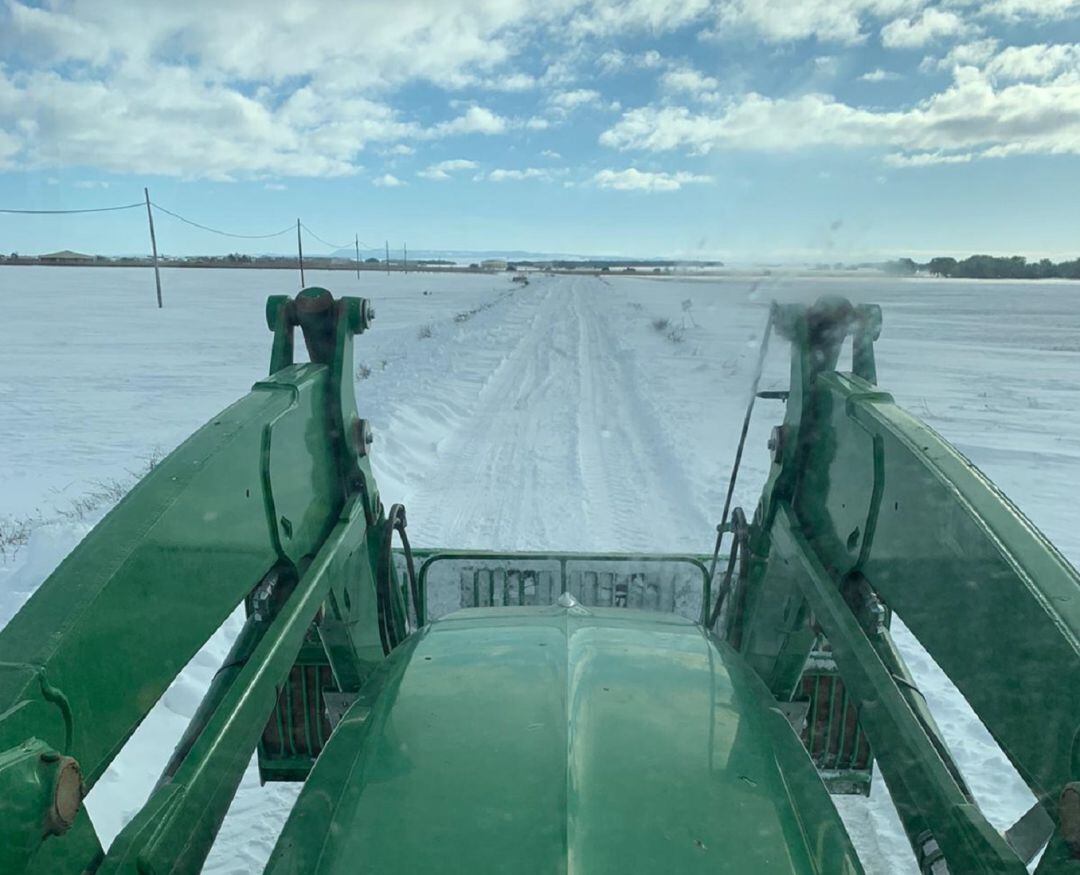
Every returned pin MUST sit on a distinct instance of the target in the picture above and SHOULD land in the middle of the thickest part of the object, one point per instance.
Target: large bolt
(362, 437)
(67, 796)
(358, 312)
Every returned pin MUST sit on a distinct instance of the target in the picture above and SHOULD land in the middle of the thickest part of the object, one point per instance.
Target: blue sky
(776, 130)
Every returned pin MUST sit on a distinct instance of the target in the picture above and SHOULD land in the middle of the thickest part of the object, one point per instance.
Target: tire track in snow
(560, 450)
(647, 492)
(493, 476)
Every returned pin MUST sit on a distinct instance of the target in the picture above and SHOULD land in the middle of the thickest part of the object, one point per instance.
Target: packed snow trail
(560, 451)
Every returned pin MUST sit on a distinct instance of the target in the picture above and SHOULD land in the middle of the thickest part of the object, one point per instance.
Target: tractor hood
(563, 740)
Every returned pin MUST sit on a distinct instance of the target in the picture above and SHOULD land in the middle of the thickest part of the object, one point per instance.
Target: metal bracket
(337, 704)
(1030, 833)
(795, 714)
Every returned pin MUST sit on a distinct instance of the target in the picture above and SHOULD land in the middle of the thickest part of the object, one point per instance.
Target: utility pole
(300, 250)
(358, 256)
(387, 257)
(153, 246)
(405, 256)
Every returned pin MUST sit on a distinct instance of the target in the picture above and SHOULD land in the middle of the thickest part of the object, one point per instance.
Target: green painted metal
(944, 539)
(563, 739)
(176, 828)
(242, 512)
(538, 578)
(547, 738)
(923, 788)
(865, 509)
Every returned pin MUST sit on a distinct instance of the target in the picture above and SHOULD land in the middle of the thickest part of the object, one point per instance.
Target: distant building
(493, 264)
(66, 256)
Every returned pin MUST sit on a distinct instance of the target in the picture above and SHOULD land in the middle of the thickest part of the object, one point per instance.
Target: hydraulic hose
(395, 622)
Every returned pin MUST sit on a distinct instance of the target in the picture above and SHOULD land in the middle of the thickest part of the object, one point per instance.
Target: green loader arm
(866, 511)
(272, 505)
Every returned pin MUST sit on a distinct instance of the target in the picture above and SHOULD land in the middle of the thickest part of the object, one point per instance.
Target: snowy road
(560, 448)
(574, 413)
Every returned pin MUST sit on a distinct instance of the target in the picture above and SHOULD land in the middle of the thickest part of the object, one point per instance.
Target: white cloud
(562, 104)
(170, 121)
(650, 59)
(373, 43)
(925, 159)
(1036, 62)
(560, 72)
(973, 115)
(58, 34)
(633, 179)
(550, 153)
(788, 20)
(605, 18)
(974, 53)
(932, 24)
(615, 60)
(880, 75)
(686, 80)
(612, 61)
(219, 90)
(571, 100)
(387, 180)
(1039, 62)
(508, 81)
(275, 186)
(826, 66)
(1013, 10)
(91, 183)
(500, 175)
(476, 120)
(443, 169)
(511, 82)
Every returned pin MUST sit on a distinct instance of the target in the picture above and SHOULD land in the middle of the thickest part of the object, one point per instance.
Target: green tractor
(469, 712)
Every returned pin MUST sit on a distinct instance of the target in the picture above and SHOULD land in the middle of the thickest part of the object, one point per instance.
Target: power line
(218, 231)
(183, 219)
(69, 212)
(324, 242)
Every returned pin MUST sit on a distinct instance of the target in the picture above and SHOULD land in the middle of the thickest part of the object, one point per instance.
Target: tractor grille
(670, 584)
(298, 727)
(498, 587)
(831, 731)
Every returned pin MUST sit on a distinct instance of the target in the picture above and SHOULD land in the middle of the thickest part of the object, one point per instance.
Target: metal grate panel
(299, 727)
(831, 731)
(451, 580)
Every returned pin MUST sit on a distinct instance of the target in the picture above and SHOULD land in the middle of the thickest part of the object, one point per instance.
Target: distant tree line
(1013, 267)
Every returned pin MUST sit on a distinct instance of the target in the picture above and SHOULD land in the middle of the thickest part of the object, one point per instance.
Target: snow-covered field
(562, 415)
